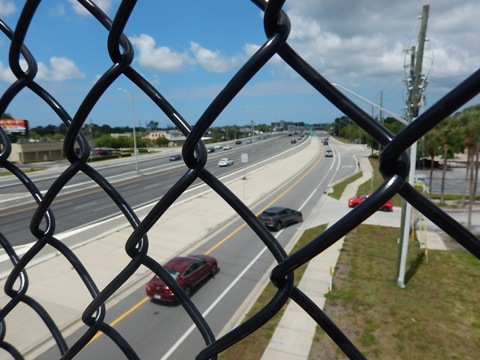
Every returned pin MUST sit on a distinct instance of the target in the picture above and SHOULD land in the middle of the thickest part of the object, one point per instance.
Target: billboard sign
(14, 126)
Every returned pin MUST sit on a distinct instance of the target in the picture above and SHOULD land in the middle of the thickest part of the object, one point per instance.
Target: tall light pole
(133, 122)
(405, 226)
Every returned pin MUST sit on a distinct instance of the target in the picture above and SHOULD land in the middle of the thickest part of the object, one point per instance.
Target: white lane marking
(204, 314)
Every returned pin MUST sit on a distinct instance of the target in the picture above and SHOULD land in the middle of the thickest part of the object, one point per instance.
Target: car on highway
(210, 150)
(103, 152)
(227, 147)
(238, 142)
(293, 141)
(175, 157)
(357, 200)
(225, 162)
(217, 147)
(188, 271)
(277, 217)
(329, 153)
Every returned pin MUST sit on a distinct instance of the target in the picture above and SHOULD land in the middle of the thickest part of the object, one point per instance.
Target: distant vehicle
(175, 157)
(249, 141)
(276, 217)
(210, 150)
(227, 147)
(325, 141)
(103, 152)
(357, 200)
(225, 162)
(188, 271)
(329, 153)
(293, 141)
(217, 146)
(238, 142)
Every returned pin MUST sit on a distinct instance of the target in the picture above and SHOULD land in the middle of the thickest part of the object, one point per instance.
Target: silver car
(225, 162)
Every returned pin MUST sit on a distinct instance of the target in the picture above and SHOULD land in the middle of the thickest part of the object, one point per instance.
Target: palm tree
(472, 142)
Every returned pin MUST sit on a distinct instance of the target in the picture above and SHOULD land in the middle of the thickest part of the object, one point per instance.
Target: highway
(83, 202)
(159, 331)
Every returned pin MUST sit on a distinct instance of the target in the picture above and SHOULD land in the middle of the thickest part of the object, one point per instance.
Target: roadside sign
(419, 180)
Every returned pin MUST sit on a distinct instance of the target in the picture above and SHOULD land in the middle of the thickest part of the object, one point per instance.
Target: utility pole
(416, 86)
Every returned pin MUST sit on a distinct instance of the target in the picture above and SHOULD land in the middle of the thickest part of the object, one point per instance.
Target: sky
(189, 50)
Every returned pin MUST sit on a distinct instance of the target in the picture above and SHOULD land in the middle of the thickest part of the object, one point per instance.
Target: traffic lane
(237, 253)
(222, 280)
(91, 205)
(114, 169)
(155, 328)
(81, 208)
(121, 174)
(234, 257)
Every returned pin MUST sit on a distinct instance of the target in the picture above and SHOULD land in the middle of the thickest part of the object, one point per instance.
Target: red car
(356, 200)
(188, 271)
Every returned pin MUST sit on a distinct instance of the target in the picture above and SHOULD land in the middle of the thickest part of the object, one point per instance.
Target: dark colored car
(189, 271)
(356, 200)
(238, 142)
(102, 152)
(210, 150)
(276, 217)
(293, 141)
(175, 157)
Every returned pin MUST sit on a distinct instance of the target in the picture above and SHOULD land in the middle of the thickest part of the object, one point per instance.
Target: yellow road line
(144, 300)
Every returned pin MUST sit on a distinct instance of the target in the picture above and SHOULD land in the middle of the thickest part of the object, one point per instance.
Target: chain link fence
(394, 166)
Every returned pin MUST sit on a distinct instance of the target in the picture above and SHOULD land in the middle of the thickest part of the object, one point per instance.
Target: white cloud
(6, 74)
(6, 7)
(61, 69)
(158, 58)
(359, 38)
(213, 61)
(105, 5)
(58, 10)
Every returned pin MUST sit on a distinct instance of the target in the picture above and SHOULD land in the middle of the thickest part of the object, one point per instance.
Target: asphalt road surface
(159, 331)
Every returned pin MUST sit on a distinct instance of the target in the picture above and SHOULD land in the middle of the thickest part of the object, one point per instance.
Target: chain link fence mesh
(394, 166)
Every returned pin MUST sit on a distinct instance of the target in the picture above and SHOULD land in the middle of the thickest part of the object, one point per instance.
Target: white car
(227, 147)
(218, 147)
(225, 162)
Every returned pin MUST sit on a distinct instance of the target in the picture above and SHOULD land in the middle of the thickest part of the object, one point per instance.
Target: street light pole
(406, 215)
(133, 122)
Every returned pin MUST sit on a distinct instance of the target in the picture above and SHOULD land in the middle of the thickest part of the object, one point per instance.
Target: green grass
(253, 346)
(436, 316)
(340, 187)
